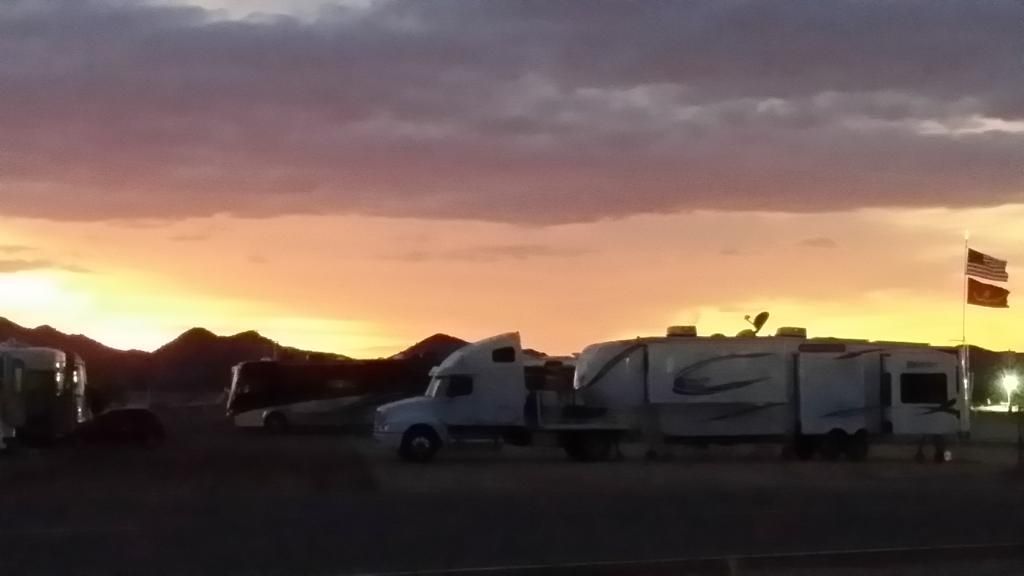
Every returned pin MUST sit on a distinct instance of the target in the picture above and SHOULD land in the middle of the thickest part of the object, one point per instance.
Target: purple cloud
(822, 242)
(8, 266)
(524, 112)
(490, 253)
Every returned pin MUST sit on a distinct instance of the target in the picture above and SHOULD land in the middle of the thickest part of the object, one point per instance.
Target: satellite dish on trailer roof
(758, 321)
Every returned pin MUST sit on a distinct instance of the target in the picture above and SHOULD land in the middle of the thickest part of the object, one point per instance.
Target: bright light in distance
(1009, 382)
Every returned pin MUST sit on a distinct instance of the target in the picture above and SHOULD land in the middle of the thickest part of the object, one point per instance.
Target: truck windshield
(234, 384)
(434, 386)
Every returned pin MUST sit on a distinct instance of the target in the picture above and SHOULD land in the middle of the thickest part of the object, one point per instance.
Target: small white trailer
(829, 396)
(42, 392)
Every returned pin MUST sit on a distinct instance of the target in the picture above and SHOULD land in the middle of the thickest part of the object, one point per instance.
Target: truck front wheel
(275, 423)
(419, 444)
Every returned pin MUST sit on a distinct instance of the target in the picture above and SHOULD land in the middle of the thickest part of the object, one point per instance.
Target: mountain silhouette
(195, 364)
(432, 349)
(198, 362)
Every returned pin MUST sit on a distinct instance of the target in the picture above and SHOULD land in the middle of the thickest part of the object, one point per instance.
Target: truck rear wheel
(419, 444)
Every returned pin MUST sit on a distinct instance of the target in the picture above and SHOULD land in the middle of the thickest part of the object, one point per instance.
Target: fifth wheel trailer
(820, 395)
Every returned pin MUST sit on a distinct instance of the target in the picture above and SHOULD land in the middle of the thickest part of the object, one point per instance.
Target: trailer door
(922, 393)
(833, 393)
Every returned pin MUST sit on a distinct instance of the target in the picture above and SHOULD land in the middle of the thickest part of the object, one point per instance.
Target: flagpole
(963, 300)
(966, 362)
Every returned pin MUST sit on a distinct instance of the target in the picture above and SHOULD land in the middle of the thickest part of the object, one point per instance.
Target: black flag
(981, 294)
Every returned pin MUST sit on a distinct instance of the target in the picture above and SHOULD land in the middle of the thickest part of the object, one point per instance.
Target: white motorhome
(281, 395)
(823, 395)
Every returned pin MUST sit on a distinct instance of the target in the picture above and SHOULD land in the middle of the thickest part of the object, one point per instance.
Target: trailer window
(504, 355)
(924, 388)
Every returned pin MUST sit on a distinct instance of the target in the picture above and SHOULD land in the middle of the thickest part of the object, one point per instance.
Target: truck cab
(484, 392)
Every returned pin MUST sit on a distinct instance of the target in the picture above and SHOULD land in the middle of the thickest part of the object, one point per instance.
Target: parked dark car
(125, 426)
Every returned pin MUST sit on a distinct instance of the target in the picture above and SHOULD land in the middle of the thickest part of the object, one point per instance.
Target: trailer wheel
(573, 447)
(858, 445)
(833, 444)
(419, 444)
(276, 423)
(804, 447)
(597, 447)
(939, 444)
(587, 447)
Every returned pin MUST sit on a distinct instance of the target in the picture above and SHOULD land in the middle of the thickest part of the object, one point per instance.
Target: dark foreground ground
(219, 501)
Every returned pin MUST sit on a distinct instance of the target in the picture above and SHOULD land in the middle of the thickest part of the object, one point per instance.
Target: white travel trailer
(821, 395)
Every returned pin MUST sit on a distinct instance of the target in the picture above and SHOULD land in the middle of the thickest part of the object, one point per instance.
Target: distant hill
(200, 361)
(196, 363)
(433, 349)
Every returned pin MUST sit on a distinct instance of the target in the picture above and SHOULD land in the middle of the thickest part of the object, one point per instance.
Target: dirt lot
(217, 500)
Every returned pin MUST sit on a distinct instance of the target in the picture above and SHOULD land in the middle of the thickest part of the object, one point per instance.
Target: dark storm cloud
(532, 112)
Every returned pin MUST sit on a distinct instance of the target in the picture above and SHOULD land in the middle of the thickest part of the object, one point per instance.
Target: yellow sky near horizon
(367, 287)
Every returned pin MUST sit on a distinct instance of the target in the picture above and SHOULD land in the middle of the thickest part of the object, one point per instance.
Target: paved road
(215, 501)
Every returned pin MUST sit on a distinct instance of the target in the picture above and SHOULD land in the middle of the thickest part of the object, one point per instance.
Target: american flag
(985, 266)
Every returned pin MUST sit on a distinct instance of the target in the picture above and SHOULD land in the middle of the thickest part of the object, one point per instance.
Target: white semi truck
(820, 395)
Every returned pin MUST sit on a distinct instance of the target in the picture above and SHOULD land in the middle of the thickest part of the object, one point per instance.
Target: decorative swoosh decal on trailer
(612, 362)
(947, 407)
(698, 386)
(747, 410)
(849, 411)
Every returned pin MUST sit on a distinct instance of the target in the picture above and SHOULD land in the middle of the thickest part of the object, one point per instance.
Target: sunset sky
(355, 176)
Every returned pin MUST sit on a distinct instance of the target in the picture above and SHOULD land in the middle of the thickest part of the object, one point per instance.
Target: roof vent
(681, 331)
(791, 332)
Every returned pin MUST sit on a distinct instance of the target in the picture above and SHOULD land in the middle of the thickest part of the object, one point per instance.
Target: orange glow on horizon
(368, 287)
